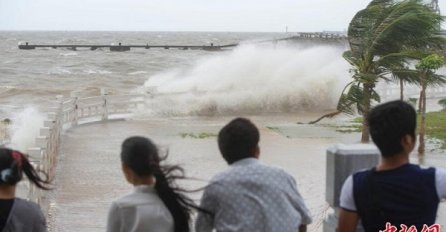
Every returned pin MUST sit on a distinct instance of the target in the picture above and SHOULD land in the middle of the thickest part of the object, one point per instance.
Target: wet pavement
(89, 176)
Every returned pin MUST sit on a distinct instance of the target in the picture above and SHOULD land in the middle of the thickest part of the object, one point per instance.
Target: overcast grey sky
(180, 15)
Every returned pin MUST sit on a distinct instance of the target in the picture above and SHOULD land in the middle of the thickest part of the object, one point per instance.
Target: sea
(276, 74)
(256, 77)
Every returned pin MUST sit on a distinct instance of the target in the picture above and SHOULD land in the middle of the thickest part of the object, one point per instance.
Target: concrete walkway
(89, 176)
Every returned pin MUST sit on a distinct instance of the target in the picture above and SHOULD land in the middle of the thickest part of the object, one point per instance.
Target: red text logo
(405, 228)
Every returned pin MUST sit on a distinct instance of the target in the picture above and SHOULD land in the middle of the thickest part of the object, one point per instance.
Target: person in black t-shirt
(395, 195)
(17, 214)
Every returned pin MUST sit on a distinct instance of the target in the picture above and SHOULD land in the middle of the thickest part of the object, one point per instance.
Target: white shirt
(251, 196)
(347, 200)
(140, 211)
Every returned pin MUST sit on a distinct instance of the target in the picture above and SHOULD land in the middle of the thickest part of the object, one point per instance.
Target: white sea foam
(59, 71)
(252, 79)
(137, 73)
(91, 71)
(25, 128)
(69, 54)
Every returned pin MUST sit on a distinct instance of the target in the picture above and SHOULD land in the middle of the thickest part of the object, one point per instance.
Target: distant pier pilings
(314, 37)
(122, 48)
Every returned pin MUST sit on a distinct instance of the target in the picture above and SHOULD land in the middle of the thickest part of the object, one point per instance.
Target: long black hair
(12, 166)
(141, 156)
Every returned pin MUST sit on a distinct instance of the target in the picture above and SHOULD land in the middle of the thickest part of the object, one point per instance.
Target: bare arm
(303, 228)
(348, 220)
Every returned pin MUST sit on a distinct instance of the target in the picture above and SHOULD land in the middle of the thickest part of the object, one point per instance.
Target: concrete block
(45, 131)
(343, 160)
(35, 153)
(42, 141)
(52, 116)
(48, 123)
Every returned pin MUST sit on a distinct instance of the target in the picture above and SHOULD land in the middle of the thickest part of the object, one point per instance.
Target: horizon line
(215, 31)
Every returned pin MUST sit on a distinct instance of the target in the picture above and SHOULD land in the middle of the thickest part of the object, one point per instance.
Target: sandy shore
(89, 176)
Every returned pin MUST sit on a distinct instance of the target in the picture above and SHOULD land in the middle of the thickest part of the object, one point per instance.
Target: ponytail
(179, 205)
(34, 177)
(13, 164)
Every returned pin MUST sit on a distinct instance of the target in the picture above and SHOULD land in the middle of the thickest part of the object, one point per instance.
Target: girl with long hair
(156, 204)
(17, 214)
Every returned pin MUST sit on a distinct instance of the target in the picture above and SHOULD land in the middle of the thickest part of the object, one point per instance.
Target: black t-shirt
(5, 209)
(404, 195)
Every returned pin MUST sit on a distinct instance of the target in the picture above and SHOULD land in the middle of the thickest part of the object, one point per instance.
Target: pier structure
(121, 48)
(301, 36)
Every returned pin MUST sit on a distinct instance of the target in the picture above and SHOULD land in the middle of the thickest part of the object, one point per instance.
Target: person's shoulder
(234, 174)
(440, 172)
(362, 171)
(426, 170)
(134, 199)
(124, 201)
(273, 168)
(26, 205)
(275, 172)
(23, 206)
(223, 175)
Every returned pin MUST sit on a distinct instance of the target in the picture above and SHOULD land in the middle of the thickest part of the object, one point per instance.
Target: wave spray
(25, 128)
(252, 79)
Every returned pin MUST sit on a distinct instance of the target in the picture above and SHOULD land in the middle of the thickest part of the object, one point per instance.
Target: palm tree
(380, 37)
(403, 74)
(427, 77)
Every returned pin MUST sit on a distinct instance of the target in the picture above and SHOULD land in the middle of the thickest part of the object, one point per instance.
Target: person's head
(12, 166)
(392, 127)
(239, 139)
(139, 156)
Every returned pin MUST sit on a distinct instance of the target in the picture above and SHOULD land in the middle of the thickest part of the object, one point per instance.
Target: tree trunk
(422, 131)
(420, 101)
(365, 137)
(329, 115)
(401, 90)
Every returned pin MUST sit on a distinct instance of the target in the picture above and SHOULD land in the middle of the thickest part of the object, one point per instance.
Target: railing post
(343, 160)
(35, 156)
(6, 136)
(52, 141)
(59, 107)
(75, 96)
(105, 104)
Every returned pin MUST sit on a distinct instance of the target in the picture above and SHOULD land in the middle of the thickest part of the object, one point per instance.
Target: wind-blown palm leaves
(382, 36)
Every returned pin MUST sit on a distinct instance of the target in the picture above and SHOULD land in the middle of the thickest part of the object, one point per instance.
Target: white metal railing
(392, 91)
(321, 35)
(66, 113)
